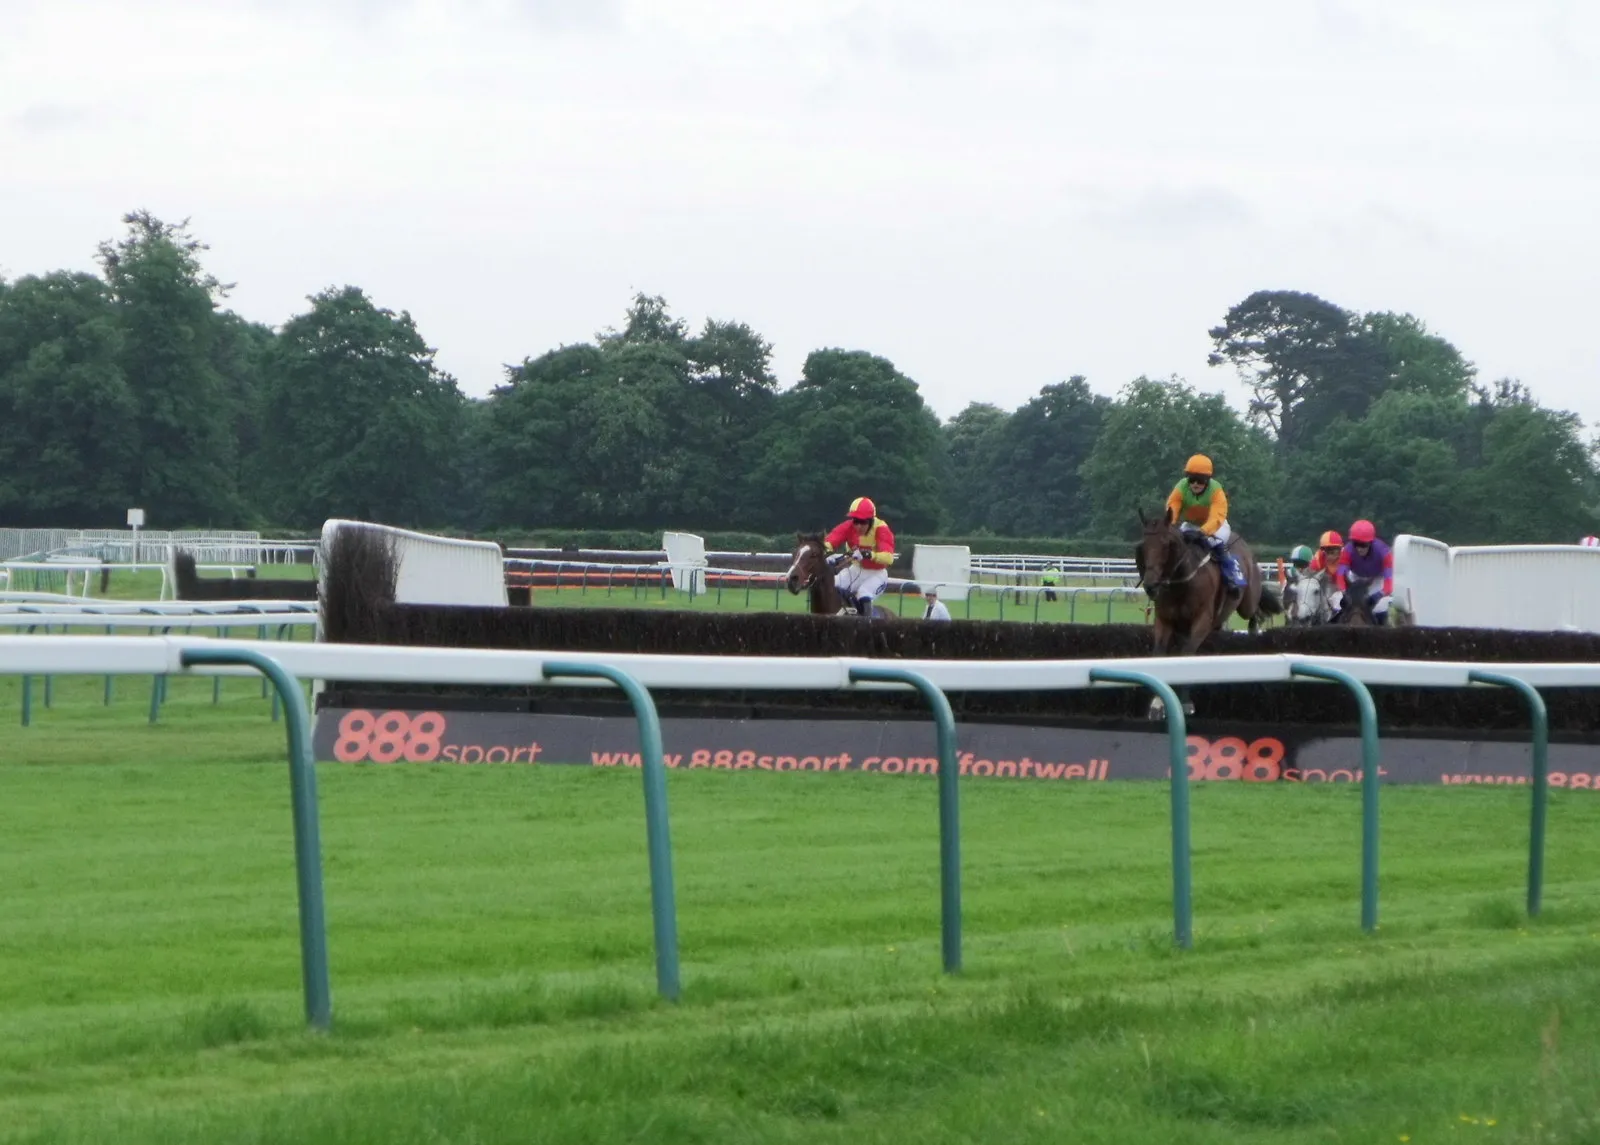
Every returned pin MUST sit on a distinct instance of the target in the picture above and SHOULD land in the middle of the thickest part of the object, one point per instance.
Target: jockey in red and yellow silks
(1198, 504)
(871, 544)
(1329, 548)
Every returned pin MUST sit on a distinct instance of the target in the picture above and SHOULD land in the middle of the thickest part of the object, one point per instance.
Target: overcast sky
(994, 195)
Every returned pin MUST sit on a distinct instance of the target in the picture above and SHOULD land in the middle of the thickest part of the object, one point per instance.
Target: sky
(994, 195)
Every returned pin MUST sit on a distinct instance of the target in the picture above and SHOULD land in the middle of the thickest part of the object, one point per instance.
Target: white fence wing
(438, 570)
(946, 567)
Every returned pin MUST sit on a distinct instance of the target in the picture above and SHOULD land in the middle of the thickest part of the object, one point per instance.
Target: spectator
(1050, 579)
(935, 609)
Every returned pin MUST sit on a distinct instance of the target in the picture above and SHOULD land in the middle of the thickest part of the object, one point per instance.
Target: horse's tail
(1271, 600)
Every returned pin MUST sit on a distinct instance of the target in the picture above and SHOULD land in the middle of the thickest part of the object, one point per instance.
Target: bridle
(814, 550)
(1183, 557)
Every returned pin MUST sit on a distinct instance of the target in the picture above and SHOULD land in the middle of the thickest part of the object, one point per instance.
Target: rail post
(1541, 777)
(1178, 762)
(1369, 782)
(949, 802)
(307, 830)
(663, 900)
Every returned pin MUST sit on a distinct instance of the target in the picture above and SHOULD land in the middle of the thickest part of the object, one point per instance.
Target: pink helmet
(1590, 542)
(1363, 533)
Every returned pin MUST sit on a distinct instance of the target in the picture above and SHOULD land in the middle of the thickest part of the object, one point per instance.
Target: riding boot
(1231, 571)
(864, 606)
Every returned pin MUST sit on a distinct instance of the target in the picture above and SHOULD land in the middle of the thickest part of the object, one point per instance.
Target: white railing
(602, 576)
(133, 622)
(114, 655)
(1533, 588)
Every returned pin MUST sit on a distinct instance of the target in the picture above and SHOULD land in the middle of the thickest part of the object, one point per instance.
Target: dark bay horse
(811, 571)
(1190, 598)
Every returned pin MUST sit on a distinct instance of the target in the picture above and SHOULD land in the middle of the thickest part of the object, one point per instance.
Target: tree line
(137, 387)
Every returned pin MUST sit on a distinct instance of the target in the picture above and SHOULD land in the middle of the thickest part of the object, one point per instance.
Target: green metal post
(261, 634)
(658, 840)
(1369, 783)
(27, 700)
(1178, 763)
(307, 830)
(949, 802)
(1541, 778)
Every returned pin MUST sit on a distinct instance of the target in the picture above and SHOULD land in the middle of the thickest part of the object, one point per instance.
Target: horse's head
(1160, 546)
(1308, 600)
(807, 564)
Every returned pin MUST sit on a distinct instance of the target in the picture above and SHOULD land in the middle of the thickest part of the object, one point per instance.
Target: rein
(1169, 581)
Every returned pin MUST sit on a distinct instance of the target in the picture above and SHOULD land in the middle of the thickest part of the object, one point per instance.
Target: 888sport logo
(388, 737)
(1259, 761)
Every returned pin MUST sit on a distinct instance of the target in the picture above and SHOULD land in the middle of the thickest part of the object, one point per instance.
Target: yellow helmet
(1198, 466)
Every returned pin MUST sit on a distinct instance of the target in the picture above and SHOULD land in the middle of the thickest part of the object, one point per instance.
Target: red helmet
(862, 509)
(1363, 533)
(1331, 540)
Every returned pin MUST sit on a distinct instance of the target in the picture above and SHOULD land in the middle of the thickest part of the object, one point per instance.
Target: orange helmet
(1198, 466)
(862, 509)
(1330, 540)
(1363, 532)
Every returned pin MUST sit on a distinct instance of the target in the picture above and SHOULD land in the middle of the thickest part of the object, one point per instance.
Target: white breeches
(863, 582)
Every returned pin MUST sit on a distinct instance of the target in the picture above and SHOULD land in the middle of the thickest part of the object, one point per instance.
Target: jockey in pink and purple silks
(1369, 561)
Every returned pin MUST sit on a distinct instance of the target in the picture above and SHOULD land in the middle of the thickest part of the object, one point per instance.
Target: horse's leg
(1162, 641)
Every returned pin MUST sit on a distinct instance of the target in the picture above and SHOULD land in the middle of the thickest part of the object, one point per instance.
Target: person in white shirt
(935, 609)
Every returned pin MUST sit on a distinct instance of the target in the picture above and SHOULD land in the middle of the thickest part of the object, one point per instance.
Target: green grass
(987, 605)
(492, 969)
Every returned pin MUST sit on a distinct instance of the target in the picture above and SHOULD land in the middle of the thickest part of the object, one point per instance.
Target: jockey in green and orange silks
(1199, 505)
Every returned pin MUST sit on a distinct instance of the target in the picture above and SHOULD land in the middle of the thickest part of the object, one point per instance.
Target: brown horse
(1357, 608)
(811, 571)
(1190, 598)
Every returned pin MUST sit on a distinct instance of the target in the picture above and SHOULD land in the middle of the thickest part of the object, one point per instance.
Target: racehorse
(811, 571)
(1191, 599)
(1306, 600)
(1357, 608)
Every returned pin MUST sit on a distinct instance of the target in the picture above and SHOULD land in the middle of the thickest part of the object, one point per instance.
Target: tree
(238, 355)
(1537, 482)
(853, 425)
(1148, 434)
(165, 306)
(972, 449)
(68, 444)
(359, 422)
(1400, 467)
(1039, 489)
(1304, 359)
(1415, 359)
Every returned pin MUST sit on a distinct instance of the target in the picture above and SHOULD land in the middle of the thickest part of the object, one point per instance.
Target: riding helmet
(1330, 540)
(862, 509)
(1363, 533)
(1301, 555)
(1198, 466)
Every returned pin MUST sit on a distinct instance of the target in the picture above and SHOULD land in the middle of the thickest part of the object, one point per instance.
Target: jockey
(1198, 504)
(870, 543)
(1368, 560)
(1329, 546)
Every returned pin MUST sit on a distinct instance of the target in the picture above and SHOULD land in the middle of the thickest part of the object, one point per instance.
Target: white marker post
(135, 520)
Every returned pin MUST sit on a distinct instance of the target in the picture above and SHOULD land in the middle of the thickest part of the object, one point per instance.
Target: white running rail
(161, 655)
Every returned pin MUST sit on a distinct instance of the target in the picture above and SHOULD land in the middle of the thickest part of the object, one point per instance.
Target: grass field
(492, 972)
